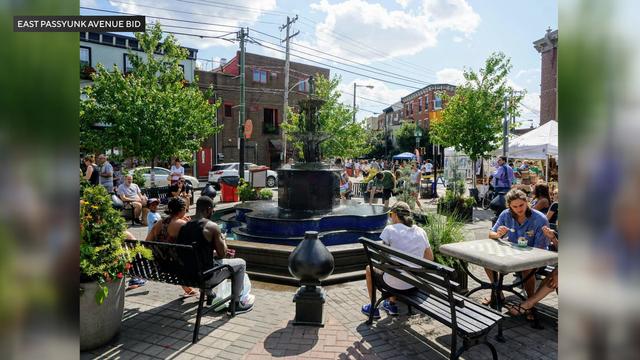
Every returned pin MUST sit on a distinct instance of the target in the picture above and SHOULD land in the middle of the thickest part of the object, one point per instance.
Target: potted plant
(248, 193)
(454, 202)
(103, 262)
(443, 230)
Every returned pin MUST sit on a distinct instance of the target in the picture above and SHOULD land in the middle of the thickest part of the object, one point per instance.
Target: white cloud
(383, 96)
(394, 33)
(210, 14)
(403, 3)
(450, 76)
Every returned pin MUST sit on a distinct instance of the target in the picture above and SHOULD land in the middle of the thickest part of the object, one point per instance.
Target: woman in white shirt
(401, 235)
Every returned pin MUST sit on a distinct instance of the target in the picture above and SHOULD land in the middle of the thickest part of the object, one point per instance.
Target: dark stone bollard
(310, 262)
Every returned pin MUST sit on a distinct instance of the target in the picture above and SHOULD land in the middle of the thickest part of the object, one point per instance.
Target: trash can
(258, 176)
(229, 188)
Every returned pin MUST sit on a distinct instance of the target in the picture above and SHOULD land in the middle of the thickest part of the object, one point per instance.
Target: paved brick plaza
(157, 324)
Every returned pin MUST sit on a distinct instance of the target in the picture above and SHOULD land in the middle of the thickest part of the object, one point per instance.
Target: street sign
(248, 128)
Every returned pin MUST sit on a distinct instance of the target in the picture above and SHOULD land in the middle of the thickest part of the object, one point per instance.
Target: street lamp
(354, 97)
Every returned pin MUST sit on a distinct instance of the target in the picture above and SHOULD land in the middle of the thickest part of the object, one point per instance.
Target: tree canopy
(406, 138)
(345, 138)
(151, 112)
(472, 119)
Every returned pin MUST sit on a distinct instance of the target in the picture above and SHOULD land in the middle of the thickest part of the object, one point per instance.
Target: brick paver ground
(157, 324)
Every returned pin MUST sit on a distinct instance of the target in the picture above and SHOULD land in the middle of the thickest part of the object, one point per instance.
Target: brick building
(426, 104)
(264, 81)
(548, 48)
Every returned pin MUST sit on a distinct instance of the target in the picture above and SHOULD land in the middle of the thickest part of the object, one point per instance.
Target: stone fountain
(266, 232)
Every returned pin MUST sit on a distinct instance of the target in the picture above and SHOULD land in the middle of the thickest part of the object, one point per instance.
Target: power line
(338, 68)
(375, 70)
(239, 7)
(161, 18)
(191, 13)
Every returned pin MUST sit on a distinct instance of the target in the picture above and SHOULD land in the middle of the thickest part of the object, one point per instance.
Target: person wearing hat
(402, 235)
(153, 216)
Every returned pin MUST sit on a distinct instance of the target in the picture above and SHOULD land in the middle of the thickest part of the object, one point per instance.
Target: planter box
(465, 213)
(100, 323)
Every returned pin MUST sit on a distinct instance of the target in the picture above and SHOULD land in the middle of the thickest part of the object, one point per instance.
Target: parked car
(231, 169)
(162, 177)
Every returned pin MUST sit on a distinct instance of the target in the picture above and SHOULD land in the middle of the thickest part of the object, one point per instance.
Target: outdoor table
(501, 257)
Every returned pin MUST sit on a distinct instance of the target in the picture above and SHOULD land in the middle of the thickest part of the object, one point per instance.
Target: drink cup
(522, 241)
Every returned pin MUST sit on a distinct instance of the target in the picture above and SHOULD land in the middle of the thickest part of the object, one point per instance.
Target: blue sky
(420, 41)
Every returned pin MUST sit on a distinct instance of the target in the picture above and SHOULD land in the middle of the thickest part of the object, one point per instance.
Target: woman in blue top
(517, 221)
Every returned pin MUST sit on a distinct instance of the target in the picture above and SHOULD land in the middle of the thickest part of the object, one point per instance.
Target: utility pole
(505, 128)
(242, 37)
(354, 101)
(286, 84)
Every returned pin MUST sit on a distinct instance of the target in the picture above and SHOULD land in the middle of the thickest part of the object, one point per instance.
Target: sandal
(192, 293)
(515, 310)
(489, 301)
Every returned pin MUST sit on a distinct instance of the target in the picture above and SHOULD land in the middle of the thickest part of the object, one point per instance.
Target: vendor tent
(537, 143)
(405, 156)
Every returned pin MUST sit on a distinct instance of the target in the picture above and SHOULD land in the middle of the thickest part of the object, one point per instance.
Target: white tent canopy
(536, 144)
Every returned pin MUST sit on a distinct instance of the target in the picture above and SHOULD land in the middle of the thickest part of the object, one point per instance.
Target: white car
(161, 177)
(231, 169)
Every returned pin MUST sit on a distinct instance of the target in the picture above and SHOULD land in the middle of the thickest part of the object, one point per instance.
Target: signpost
(248, 128)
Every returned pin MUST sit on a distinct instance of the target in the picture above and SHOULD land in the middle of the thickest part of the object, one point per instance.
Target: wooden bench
(434, 296)
(178, 264)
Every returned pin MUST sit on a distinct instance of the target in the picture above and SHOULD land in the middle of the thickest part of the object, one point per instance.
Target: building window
(120, 41)
(260, 76)
(94, 36)
(411, 108)
(437, 103)
(133, 44)
(127, 66)
(107, 39)
(228, 110)
(426, 103)
(85, 56)
(270, 124)
(420, 105)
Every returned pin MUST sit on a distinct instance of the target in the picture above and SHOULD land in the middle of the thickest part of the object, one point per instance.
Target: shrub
(265, 194)
(443, 230)
(102, 232)
(138, 178)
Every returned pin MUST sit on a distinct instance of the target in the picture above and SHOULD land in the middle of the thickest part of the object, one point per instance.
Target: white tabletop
(500, 256)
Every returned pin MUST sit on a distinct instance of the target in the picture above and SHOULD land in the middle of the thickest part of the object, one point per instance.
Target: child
(153, 216)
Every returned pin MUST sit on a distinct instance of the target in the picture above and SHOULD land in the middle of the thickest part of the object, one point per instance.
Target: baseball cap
(401, 208)
(153, 200)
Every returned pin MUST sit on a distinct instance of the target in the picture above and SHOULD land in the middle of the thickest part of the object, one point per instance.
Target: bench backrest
(171, 263)
(159, 193)
(427, 276)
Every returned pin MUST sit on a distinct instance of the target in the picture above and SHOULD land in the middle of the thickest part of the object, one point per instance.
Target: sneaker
(366, 309)
(241, 308)
(137, 281)
(390, 307)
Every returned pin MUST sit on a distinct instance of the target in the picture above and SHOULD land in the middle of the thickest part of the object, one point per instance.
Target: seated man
(130, 193)
(207, 235)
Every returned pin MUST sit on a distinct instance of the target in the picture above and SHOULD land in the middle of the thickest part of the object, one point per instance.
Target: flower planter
(100, 323)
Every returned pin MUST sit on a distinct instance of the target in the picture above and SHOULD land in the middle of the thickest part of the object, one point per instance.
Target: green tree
(406, 137)
(150, 113)
(472, 119)
(376, 144)
(346, 138)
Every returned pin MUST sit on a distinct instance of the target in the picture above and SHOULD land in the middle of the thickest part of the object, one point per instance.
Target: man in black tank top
(208, 237)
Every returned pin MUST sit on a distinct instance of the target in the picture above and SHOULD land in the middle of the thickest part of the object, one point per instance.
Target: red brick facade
(264, 81)
(548, 47)
(424, 104)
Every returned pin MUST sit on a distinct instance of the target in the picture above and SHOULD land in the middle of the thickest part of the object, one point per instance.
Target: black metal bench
(434, 296)
(178, 264)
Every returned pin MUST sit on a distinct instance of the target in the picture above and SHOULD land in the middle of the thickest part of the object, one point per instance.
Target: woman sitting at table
(520, 221)
(541, 198)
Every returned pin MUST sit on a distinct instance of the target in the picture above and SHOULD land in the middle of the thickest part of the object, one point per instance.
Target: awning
(277, 144)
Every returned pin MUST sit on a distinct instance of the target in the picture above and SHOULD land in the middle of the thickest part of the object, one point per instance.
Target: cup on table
(522, 241)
